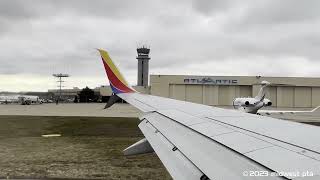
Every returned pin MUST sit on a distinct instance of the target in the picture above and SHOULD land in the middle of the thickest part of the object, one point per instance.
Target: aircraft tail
(117, 81)
(262, 93)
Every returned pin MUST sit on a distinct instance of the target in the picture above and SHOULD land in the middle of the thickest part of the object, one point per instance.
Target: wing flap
(284, 145)
(301, 135)
(244, 142)
(177, 164)
(212, 158)
(283, 160)
(238, 141)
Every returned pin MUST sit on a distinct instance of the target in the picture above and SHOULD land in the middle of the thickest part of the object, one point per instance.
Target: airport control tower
(143, 66)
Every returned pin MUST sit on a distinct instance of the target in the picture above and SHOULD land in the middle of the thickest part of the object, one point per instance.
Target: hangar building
(221, 90)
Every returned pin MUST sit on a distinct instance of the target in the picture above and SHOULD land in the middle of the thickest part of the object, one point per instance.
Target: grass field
(89, 148)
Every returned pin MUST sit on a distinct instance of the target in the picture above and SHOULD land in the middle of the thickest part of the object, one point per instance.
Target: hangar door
(294, 96)
(213, 95)
(187, 92)
(177, 91)
(194, 93)
(228, 93)
(302, 97)
(201, 94)
(285, 96)
(271, 94)
(315, 96)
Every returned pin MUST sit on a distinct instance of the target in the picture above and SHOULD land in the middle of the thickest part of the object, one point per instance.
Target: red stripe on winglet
(114, 80)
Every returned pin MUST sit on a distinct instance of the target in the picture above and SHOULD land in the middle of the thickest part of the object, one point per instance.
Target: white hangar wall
(221, 90)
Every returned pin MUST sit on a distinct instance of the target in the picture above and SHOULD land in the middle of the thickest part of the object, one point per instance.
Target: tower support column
(143, 66)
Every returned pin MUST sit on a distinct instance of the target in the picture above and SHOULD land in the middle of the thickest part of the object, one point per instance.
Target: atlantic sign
(209, 80)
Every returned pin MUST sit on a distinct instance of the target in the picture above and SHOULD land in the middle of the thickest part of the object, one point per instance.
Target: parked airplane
(22, 99)
(196, 141)
(254, 104)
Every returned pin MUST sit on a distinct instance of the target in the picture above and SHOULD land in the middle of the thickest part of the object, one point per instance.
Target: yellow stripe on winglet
(112, 66)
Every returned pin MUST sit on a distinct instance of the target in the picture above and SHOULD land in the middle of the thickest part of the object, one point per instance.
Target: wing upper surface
(275, 145)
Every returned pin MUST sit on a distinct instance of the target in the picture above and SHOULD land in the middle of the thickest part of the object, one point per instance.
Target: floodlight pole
(60, 81)
(60, 87)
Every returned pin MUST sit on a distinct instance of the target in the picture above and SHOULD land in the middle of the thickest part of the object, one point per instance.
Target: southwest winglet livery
(199, 142)
(116, 79)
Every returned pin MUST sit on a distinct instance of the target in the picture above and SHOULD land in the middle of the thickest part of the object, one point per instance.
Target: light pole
(60, 81)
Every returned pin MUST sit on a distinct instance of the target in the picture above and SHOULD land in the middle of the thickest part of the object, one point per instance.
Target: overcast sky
(198, 37)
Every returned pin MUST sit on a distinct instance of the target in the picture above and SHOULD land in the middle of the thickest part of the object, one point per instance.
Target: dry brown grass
(90, 148)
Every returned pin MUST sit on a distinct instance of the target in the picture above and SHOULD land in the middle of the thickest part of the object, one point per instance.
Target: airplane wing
(195, 141)
(269, 112)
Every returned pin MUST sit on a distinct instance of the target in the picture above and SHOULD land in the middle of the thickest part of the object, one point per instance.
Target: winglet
(117, 81)
(262, 93)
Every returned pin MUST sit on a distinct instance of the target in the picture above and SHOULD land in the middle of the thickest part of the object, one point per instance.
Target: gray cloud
(15, 9)
(282, 12)
(209, 7)
(186, 37)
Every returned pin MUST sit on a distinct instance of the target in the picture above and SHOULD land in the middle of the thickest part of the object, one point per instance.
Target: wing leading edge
(195, 141)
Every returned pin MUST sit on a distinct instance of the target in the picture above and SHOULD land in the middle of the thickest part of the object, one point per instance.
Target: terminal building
(297, 92)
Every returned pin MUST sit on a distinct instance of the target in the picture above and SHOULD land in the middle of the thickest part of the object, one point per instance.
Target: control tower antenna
(60, 81)
(143, 65)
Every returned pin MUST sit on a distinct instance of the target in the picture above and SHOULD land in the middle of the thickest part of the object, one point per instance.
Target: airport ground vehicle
(21, 99)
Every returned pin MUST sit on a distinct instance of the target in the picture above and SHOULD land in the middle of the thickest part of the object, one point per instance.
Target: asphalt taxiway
(70, 109)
